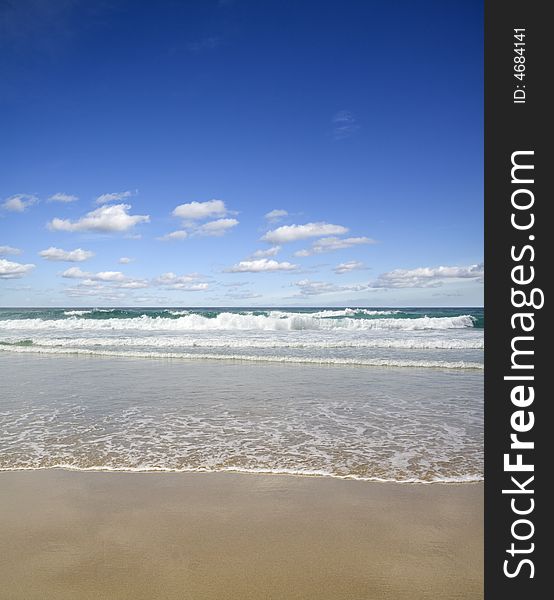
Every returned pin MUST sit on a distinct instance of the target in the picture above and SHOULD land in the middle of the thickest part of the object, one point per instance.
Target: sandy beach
(116, 536)
(242, 323)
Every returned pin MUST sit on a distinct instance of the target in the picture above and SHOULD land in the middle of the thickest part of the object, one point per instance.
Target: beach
(68, 535)
(242, 327)
(174, 454)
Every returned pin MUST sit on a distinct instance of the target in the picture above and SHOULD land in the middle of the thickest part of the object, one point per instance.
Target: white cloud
(104, 281)
(19, 202)
(97, 290)
(4, 250)
(426, 277)
(190, 287)
(13, 270)
(57, 254)
(113, 277)
(187, 283)
(235, 284)
(344, 124)
(114, 196)
(242, 295)
(180, 234)
(216, 228)
(347, 267)
(110, 276)
(262, 265)
(315, 288)
(170, 278)
(292, 233)
(193, 212)
(125, 260)
(276, 215)
(62, 197)
(329, 244)
(77, 273)
(273, 251)
(106, 219)
(200, 210)
(133, 284)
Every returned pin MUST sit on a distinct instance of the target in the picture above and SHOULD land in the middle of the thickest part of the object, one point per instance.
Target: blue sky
(240, 153)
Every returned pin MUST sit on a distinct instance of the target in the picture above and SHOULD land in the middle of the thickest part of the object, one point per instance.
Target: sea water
(376, 394)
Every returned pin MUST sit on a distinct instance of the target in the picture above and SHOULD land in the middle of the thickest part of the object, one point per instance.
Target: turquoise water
(447, 338)
(210, 313)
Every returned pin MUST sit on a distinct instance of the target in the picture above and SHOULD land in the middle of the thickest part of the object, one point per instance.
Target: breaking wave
(229, 321)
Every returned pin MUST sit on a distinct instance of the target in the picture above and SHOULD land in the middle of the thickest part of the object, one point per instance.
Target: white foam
(377, 362)
(188, 341)
(240, 322)
(438, 479)
(107, 414)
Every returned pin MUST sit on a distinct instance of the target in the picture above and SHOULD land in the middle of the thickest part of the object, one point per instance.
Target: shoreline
(189, 356)
(236, 471)
(368, 424)
(71, 534)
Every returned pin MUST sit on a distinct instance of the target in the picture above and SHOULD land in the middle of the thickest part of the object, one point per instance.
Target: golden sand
(115, 536)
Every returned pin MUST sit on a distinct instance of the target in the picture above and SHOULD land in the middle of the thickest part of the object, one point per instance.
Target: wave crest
(227, 321)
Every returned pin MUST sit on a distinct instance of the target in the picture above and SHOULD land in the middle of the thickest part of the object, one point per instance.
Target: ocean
(376, 394)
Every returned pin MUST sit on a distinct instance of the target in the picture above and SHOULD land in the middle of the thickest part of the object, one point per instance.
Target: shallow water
(121, 413)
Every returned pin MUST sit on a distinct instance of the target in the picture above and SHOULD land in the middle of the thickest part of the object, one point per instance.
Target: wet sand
(132, 536)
